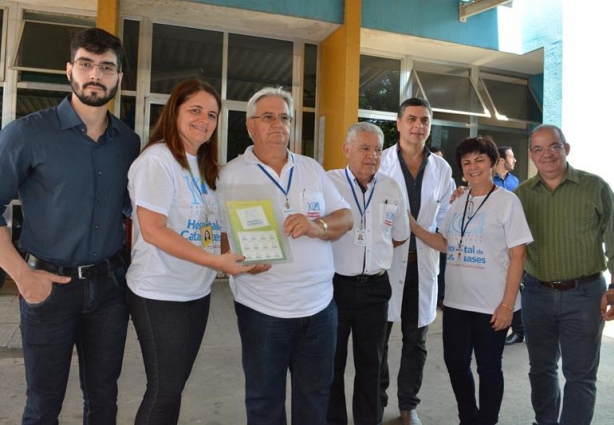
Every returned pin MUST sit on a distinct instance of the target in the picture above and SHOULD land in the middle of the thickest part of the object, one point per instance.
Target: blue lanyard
(276, 183)
(347, 176)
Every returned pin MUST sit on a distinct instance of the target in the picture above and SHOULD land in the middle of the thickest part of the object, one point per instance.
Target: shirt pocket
(313, 206)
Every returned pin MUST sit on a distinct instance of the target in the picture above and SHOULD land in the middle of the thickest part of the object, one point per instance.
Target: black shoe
(513, 339)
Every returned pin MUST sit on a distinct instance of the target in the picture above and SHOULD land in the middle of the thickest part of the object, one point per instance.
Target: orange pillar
(107, 18)
(339, 87)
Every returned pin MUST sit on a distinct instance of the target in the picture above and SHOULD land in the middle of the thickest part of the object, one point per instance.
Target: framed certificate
(254, 226)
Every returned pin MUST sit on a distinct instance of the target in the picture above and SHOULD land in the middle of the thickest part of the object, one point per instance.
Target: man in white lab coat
(426, 181)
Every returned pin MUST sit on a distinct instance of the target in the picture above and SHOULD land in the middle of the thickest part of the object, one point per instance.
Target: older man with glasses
(564, 302)
(286, 315)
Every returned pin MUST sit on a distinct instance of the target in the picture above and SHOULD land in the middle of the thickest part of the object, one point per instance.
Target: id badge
(288, 211)
(206, 235)
(359, 237)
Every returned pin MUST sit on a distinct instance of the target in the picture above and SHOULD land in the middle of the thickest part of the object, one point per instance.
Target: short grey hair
(266, 92)
(364, 127)
(551, 127)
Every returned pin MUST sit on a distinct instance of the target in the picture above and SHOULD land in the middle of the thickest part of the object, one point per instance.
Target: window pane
(127, 110)
(45, 46)
(179, 53)
(29, 101)
(310, 74)
(154, 112)
(389, 128)
(309, 127)
(131, 48)
(513, 100)
(451, 93)
(41, 77)
(379, 83)
(518, 141)
(254, 63)
(446, 138)
(238, 139)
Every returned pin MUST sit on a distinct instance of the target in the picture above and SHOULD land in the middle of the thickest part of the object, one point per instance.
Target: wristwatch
(610, 297)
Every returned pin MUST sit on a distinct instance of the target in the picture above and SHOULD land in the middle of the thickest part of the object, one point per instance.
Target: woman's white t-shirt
(476, 275)
(158, 183)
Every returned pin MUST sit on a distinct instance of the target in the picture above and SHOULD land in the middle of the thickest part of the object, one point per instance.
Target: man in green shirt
(571, 216)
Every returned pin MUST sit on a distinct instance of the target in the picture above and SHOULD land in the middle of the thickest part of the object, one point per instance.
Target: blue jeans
(464, 333)
(170, 334)
(271, 346)
(91, 314)
(565, 324)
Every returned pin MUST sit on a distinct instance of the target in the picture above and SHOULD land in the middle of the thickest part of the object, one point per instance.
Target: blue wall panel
(435, 19)
(320, 10)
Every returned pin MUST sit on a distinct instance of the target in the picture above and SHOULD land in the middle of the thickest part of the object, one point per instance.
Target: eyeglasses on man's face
(285, 119)
(87, 66)
(554, 148)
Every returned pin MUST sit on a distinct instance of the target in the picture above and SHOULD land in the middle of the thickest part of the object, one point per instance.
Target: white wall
(588, 85)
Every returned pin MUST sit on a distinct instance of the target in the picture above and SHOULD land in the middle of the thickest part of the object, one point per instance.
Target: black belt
(564, 285)
(412, 256)
(362, 278)
(82, 272)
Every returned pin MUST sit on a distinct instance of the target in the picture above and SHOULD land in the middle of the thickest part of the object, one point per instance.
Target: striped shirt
(570, 224)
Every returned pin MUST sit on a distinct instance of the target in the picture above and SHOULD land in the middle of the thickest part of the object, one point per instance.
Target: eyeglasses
(554, 148)
(285, 119)
(86, 66)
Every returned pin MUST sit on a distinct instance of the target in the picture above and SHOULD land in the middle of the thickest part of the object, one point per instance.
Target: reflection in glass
(310, 75)
(309, 127)
(127, 110)
(238, 139)
(29, 100)
(518, 141)
(179, 53)
(52, 54)
(255, 62)
(389, 128)
(513, 101)
(131, 47)
(154, 113)
(379, 83)
(449, 92)
(446, 138)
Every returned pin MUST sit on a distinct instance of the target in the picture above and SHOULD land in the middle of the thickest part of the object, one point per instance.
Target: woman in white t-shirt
(176, 250)
(484, 235)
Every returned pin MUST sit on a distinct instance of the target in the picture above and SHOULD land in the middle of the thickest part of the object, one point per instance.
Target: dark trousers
(90, 314)
(464, 333)
(441, 278)
(362, 307)
(413, 352)
(517, 327)
(170, 334)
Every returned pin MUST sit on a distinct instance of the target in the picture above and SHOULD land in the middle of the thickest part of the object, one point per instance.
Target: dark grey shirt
(414, 188)
(72, 189)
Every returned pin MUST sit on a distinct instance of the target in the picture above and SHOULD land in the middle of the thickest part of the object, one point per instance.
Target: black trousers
(413, 352)
(362, 306)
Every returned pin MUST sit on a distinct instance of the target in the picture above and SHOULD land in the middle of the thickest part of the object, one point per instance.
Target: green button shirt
(570, 225)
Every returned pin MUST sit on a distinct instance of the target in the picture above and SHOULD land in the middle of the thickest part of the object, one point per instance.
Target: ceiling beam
(467, 9)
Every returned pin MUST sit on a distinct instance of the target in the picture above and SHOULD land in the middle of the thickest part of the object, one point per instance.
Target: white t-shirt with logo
(303, 287)
(476, 274)
(158, 183)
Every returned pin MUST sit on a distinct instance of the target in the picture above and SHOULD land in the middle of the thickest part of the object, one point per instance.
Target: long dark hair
(165, 130)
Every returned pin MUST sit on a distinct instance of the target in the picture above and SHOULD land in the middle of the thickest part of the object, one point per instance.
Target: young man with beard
(68, 165)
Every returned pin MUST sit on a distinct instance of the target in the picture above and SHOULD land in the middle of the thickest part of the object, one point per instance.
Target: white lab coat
(437, 186)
